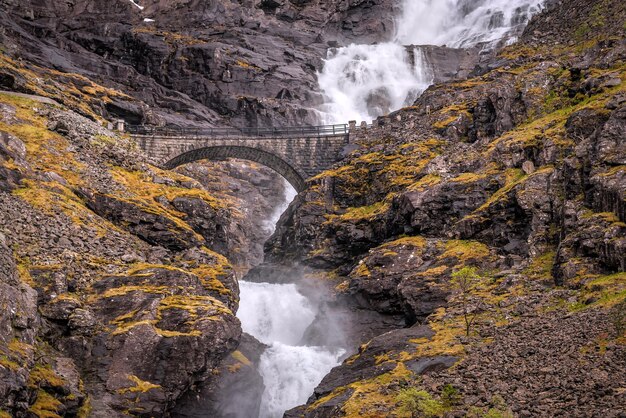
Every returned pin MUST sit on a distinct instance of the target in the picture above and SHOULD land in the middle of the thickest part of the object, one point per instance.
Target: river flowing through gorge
(303, 337)
(360, 82)
(279, 315)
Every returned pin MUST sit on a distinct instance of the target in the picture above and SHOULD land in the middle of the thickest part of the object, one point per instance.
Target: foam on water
(274, 312)
(290, 193)
(362, 82)
(279, 315)
(290, 374)
(365, 81)
(462, 23)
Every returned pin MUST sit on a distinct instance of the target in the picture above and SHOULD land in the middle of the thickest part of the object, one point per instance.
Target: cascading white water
(290, 374)
(462, 23)
(270, 224)
(365, 81)
(362, 82)
(274, 312)
(279, 315)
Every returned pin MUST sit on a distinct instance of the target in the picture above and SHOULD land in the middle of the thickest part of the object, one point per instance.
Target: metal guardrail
(298, 131)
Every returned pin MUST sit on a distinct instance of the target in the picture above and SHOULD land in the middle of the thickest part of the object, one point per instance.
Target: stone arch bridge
(295, 153)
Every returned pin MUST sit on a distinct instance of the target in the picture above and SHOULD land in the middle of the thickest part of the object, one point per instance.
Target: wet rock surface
(482, 227)
(249, 63)
(237, 389)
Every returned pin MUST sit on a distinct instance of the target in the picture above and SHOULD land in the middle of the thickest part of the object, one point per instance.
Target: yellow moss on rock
(364, 212)
(362, 270)
(425, 182)
(540, 267)
(86, 409)
(73, 90)
(198, 308)
(19, 348)
(141, 386)
(46, 150)
(124, 290)
(45, 406)
(140, 190)
(44, 374)
(9, 364)
(604, 290)
(465, 251)
(371, 395)
(241, 358)
(414, 241)
(446, 339)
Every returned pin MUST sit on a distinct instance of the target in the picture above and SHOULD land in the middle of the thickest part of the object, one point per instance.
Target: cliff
(490, 217)
(479, 235)
(250, 63)
(107, 259)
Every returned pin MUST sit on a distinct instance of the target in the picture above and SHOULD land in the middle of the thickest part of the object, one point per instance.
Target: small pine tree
(465, 281)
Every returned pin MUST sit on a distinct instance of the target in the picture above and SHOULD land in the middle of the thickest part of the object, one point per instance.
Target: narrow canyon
(312, 208)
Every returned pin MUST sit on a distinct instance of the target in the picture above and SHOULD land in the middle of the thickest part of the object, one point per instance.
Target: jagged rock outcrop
(250, 63)
(489, 202)
(106, 259)
(237, 391)
(488, 218)
(264, 194)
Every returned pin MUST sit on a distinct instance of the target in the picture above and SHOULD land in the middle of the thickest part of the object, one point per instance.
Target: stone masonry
(295, 158)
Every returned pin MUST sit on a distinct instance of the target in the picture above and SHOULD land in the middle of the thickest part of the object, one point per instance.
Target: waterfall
(362, 82)
(279, 315)
(365, 81)
(269, 225)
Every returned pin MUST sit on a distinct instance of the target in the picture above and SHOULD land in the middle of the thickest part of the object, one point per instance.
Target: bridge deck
(252, 133)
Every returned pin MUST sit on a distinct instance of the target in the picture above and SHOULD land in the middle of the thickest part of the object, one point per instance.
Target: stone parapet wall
(296, 159)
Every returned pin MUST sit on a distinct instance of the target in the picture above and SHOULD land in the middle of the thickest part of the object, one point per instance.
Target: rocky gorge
(467, 258)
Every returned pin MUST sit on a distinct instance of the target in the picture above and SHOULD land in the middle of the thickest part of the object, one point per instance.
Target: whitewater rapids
(279, 315)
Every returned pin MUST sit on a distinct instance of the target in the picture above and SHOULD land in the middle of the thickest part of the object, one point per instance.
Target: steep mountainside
(106, 259)
(491, 216)
(240, 63)
(479, 235)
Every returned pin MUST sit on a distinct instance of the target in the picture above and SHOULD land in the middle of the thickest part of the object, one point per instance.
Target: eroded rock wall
(485, 214)
(250, 63)
(117, 290)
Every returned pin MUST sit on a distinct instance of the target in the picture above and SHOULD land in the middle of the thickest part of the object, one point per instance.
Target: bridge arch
(223, 152)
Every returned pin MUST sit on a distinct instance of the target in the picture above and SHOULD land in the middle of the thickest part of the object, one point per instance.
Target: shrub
(417, 402)
(464, 281)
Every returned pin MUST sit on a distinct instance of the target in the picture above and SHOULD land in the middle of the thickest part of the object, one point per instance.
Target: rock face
(489, 202)
(263, 193)
(483, 227)
(250, 63)
(244, 63)
(20, 324)
(104, 259)
(239, 387)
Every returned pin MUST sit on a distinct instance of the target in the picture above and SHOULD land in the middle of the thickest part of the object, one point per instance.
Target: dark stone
(153, 228)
